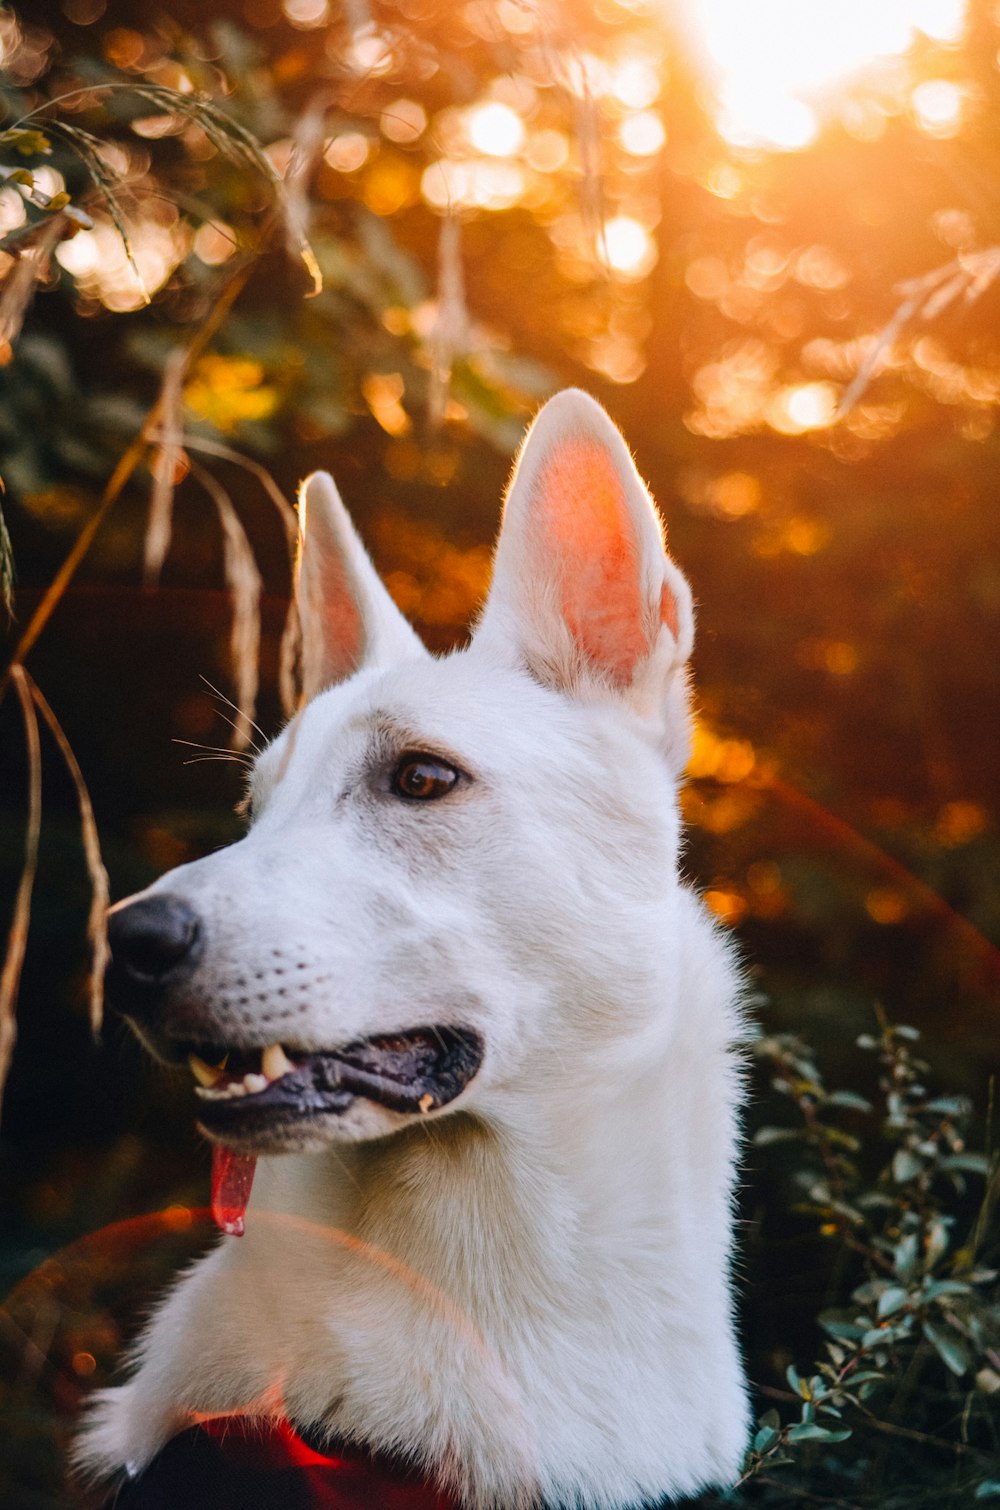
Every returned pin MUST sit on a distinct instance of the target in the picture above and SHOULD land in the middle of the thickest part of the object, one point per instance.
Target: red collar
(232, 1463)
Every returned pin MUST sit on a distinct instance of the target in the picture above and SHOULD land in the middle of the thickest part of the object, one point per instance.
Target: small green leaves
(905, 1166)
(900, 1225)
(906, 1256)
(26, 141)
(849, 1099)
(969, 1163)
(766, 1135)
(808, 1431)
(891, 1300)
(950, 1349)
(765, 1438)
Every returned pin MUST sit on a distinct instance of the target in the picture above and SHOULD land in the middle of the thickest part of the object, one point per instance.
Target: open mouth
(250, 1092)
(259, 1100)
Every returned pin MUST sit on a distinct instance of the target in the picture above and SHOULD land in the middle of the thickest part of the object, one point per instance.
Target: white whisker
(236, 709)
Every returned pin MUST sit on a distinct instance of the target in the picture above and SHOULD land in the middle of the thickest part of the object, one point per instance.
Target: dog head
(457, 870)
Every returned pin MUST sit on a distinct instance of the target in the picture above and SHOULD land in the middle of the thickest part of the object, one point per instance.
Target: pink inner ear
(668, 611)
(334, 619)
(589, 532)
(342, 626)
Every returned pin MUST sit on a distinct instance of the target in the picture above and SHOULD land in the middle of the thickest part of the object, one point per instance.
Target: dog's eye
(422, 778)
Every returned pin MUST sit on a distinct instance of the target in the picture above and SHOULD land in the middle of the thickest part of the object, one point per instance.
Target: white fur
(528, 1291)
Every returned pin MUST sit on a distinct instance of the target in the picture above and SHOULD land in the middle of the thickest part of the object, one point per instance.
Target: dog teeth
(202, 1072)
(213, 1084)
(275, 1062)
(223, 1092)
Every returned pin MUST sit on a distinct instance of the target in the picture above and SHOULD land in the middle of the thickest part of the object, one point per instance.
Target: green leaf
(949, 1349)
(808, 1431)
(765, 1135)
(765, 1438)
(949, 1106)
(850, 1099)
(937, 1241)
(989, 1489)
(970, 1163)
(902, 1031)
(905, 1255)
(905, 1166)
(848, 1330)
(891, 1300)
(946, 1287)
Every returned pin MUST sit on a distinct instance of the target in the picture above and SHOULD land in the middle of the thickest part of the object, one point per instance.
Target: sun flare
(775, 60)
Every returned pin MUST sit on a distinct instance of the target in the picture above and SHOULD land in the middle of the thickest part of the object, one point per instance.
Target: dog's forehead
(460, 705)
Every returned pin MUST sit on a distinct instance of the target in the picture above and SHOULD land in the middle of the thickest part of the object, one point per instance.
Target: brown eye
(423, 778)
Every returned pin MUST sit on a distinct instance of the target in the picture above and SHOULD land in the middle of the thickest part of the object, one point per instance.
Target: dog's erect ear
(583, 591)
(348, 618)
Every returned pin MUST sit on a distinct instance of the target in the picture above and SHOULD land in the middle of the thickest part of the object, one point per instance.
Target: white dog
(478, 1032)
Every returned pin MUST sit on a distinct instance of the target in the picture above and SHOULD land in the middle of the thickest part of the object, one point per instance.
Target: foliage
(912, 1358)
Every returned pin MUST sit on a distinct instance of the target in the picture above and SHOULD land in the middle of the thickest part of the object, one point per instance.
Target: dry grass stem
(117, 483)
(30, 267)
(100, 891)
(307, 144)
(166, 465)
(244, 582)
(291, 635)
(17, 937)
(588, 137)
(925, 298)
(288, 515)
(289, 657)
(449, 334)
(6, 564)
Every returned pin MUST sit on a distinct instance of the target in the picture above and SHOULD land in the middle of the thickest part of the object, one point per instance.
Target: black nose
(149, 939)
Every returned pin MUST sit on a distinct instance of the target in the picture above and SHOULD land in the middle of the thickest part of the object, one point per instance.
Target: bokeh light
(495, 129)
(775, 61)
(627, 247)
(100, 263)
(937, 106)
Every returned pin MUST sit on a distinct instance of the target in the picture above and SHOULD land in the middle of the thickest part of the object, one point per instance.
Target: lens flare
(773, 60)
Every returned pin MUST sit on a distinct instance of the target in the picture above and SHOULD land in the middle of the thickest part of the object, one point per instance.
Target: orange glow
(495, 129)
(937, 106)
(886, 905)
(728, 905)
(229, 391)
(99, 261)
(726, 760)
(383, 393)
(628, 248)
(642, 135)
(806, 406)
(776, 60)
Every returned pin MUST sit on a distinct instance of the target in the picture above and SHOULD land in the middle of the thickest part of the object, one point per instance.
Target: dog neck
(503, 1255)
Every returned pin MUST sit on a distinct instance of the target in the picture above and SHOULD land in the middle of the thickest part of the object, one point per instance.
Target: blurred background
(247, 239)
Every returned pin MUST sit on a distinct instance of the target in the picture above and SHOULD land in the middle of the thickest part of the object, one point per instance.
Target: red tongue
(232, 1177)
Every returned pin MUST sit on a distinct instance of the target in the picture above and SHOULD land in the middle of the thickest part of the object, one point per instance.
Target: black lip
(399, 1071)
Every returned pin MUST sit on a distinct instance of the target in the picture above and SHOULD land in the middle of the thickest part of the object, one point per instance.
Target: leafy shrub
(901, 1407)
